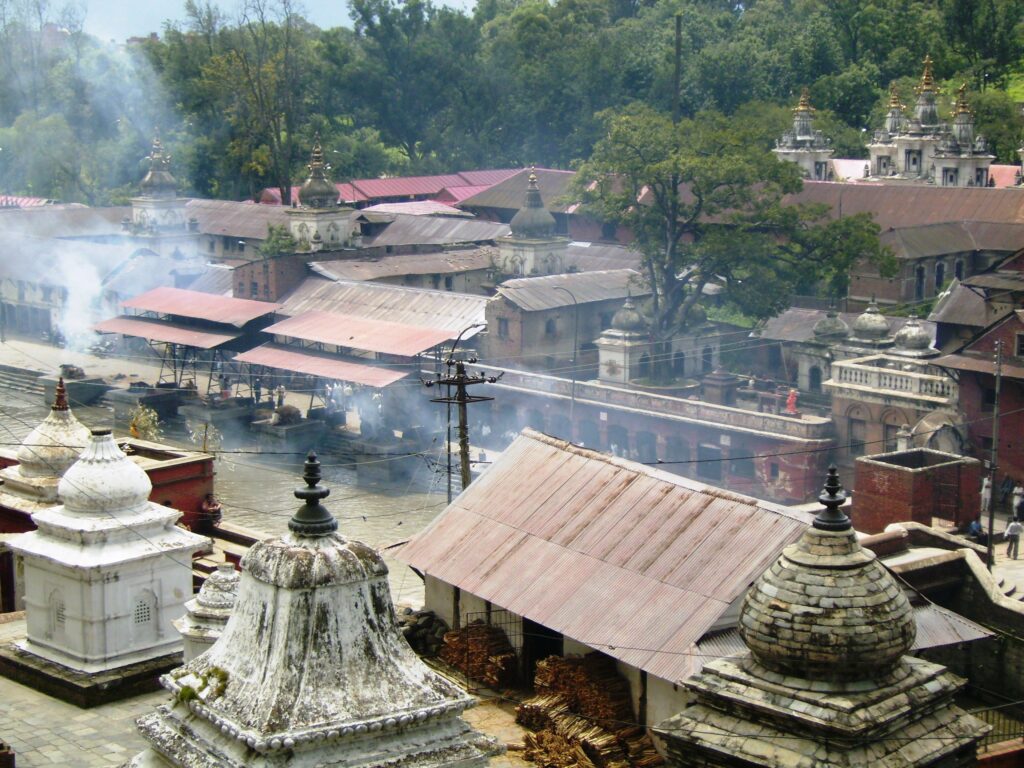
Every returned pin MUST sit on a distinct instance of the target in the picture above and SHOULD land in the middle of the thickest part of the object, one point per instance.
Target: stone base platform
(81, 688)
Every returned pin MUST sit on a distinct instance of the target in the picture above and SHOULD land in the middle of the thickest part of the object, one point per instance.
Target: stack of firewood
(583, 718)
(482, 653)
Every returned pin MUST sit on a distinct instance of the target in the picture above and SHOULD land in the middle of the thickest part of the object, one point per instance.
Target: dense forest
(414, 88)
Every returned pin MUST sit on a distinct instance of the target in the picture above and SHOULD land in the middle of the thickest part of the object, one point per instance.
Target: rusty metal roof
(419, 208)
(440, 262)
(549, 291)
(201, 306)
(488, 177)
(625, 558)
(959, 305)
(161, 330)
(953, 237)
(420, 307)
(405, 186)
(361, 333)
(511, 193)
(978, 365)
(320, 364)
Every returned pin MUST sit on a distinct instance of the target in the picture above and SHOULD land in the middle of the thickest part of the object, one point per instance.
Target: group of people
(1014, 526)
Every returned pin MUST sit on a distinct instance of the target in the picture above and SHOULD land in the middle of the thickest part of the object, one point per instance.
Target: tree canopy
(708, 204)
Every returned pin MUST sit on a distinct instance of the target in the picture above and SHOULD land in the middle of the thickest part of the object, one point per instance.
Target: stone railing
(921, 380)
(806, 426)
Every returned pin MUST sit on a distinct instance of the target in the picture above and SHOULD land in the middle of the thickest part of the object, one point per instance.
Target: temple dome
(827, 609)
(629, 319)
(158, 181)
(913, 336)
(317, 191)
(533, 220)
(56, 443)
(871, 324)
(104, 480)
(220, 589)
(831, 325)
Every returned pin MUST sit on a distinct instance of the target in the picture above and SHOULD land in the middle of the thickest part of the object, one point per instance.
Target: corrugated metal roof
(434, 230)
(628, 559)
(202, 306)
(442, 262)
(20, 201)
(953, 237)
(419, 208)
(959, 305)
(412, 306)
(1003, 281)
(936, 627)
(488, 177)
(405, 186)
(456, 195)
(161, 330)
(215, 278)
(549, 291)
(1004, 175)
(978, 365)
(360, 333)
(232, 219)
(511, 193)
(320, 364)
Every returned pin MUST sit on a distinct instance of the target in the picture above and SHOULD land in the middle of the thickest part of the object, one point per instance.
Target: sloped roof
(628, 559)
(320, 364)
(959, 305)
(419, 208)
(215, 278)
(445, 310)
(953, 237)
(588, 257)
(164, 331)
(434, 230)
(353, 332)
(796, 324)
(510, 193)
(549, 291)
(439, 263)
(201, 306)
(232, 219)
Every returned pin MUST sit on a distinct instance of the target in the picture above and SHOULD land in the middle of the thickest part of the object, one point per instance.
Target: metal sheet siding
(159, 330)
(201, 306)
(316, 364)
(613, 554)
(360, 333)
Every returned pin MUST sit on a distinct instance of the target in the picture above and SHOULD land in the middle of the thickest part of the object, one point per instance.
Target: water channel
(255, 488)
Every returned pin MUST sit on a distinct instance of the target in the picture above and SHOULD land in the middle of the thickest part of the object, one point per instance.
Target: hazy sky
(120, 19)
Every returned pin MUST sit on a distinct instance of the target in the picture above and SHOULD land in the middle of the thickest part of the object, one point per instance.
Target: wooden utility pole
(460, 380)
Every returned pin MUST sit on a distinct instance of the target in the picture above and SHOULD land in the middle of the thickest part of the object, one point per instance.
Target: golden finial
(532, 178)
(962, 107)
(60, 401)
(927, 79)
(805, 102)
(894, 98)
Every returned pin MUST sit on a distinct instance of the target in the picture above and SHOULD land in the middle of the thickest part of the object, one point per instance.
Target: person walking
(1017, 498)
(1012, 536)
(986, 494)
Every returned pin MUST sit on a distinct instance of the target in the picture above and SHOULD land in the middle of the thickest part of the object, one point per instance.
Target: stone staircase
(1010, 589)
(22, 380)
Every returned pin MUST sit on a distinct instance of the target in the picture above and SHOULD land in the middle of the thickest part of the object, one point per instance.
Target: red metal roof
(360, 333)
(406, 186)
(20, 201)
(161, 330)
(487, 177)
(458, 194)
(202, 306)
(628, 559)
(320, 364)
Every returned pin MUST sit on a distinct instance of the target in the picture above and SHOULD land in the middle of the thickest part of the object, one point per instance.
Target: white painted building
(106, 571)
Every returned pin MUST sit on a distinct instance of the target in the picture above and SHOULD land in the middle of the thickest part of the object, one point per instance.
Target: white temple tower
(207, 613)
(107, 570)
(311, 669)
(532, 247)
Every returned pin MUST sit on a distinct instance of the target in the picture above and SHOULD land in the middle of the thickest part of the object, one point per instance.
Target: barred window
(142, 612)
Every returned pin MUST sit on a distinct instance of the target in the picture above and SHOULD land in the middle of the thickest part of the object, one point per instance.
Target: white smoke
(81, 307)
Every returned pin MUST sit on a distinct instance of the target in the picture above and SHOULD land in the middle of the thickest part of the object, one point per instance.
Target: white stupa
(45, 454)
(311, 669)
(207, 613)
(107, 571)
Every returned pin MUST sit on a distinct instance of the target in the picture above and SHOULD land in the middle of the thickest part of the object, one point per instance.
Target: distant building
(803, 145)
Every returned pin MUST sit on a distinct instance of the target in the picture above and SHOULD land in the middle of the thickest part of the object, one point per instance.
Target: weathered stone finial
(60, 400)
(832, 497)
(313, 518)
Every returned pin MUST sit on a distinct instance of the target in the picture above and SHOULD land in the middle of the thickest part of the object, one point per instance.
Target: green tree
(707, 203)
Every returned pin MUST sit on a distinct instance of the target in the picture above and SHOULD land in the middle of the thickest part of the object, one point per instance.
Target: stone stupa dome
(827, 609)
(533, 220)
(104, 480)
(832, 325)
(56, 443)
(913, 336)
(628, 318)
(871, 324)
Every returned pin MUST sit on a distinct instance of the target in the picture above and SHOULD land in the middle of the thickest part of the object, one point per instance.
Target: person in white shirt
(1012, 536)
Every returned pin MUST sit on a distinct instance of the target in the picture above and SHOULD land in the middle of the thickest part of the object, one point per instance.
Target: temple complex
(532, 247)
(311, 668)
(825, 679)
(106, 571)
